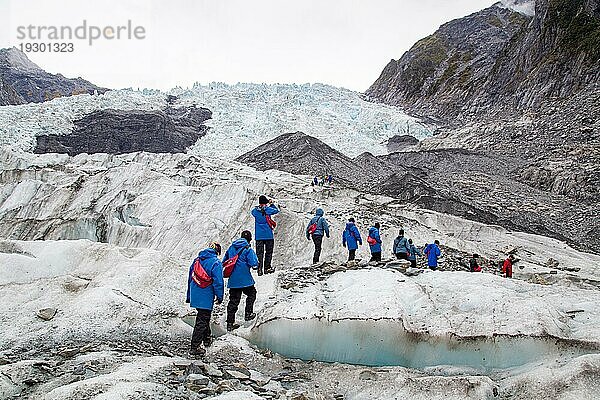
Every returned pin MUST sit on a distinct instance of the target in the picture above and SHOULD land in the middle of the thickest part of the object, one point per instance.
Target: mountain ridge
(22, 81)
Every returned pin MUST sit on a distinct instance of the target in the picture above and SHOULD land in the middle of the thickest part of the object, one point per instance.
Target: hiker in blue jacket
(433, 252)
(317, 228)
(263, 233)
(374, 240)
(241, 280)
(351, 238)
(413, 253)
(401, 246)
(202, 298)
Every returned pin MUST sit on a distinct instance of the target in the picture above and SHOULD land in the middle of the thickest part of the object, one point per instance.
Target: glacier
(107, 241)
(245, 116)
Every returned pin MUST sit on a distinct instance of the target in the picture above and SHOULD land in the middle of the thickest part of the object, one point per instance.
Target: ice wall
(387, 343)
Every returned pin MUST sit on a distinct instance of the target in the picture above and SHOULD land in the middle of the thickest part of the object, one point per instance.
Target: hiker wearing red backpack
(317, 228)
(238, 261)
(351, 238)
(205, 283)
(374, 241)
(263, 233)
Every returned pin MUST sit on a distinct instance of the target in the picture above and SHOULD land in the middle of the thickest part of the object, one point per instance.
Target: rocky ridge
(22, 81)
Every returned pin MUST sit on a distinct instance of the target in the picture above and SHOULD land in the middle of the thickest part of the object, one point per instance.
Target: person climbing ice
(317, 228)
(401, 247)
(351, 238)
(240, 280)
(433, 252)
(263, 233)
(205, 284)
(413, 252)
(374, 241)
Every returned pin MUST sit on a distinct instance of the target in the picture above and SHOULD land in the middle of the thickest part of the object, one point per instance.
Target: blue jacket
(401, 245)
(414, 252)
(322, 225)
(351, 237)
(433, 253)
(374, 233)
(204, 297)
(241, 276)
(262, 230)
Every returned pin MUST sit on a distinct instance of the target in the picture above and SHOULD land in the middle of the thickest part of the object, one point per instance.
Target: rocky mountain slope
(472, 184)
(497, 60)
(22, 81)
(529, 99)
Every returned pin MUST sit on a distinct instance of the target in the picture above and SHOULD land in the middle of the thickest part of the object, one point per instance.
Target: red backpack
(271, 222)
(371, 241)
(229, 264)
(200, 276)
(313, 227)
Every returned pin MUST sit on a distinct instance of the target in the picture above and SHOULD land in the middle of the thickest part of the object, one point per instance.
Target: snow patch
(526, 7)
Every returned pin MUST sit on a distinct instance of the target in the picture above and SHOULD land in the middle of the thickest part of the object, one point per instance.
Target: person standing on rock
(351, 238)
(317, 228)
(374, 241)
(240, 281)
(263, 233)
(401, 246)
(433, 252)
(205, 283)
(413, 252)
(474, 263)
(507, 266)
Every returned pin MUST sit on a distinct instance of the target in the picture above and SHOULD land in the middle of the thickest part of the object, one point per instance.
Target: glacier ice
(386, 343)
(244, 116)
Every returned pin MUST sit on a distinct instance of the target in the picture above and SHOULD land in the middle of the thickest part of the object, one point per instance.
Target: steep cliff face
(442, 70)
(22, 81)
(497, 60)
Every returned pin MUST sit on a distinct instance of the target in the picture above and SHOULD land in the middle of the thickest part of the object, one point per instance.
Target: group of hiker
(207, 272)
(403, 248)
(322, 180)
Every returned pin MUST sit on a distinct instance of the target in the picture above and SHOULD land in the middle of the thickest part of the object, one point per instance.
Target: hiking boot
(269, 270)
(207, 341)
(250, 317)
(260, 272)
(197, 351)
(232, 326)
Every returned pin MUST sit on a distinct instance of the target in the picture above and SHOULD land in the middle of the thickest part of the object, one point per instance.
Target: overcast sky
(340, 42)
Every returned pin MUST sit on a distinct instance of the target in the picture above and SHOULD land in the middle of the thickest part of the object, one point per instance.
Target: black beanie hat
(263, 199)
(247, 235)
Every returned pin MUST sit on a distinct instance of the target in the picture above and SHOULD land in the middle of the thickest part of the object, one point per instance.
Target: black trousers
(201, 327)
(401, 256)
(264, 252)
(318, 241)
(235, 296)
(413, 263)
(376, 256)
(351, 254)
